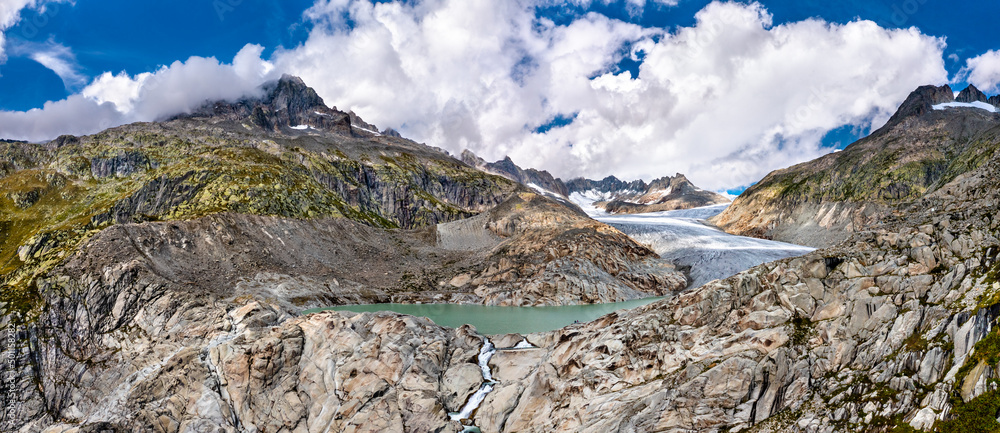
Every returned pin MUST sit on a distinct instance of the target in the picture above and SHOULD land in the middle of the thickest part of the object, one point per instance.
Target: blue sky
(90, 38)
(140, 36)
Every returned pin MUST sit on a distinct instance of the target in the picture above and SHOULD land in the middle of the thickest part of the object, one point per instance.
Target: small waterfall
(485, 353)
(524, 344)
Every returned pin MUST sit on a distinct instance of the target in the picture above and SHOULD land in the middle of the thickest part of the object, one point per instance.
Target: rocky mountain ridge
(541, 179)
(663, 194)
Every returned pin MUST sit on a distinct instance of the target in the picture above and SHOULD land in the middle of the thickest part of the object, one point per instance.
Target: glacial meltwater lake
(682, 237)
(491, 320)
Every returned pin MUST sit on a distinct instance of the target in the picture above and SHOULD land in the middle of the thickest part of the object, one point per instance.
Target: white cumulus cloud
(983, 71)
(112, 100)
(724, 101)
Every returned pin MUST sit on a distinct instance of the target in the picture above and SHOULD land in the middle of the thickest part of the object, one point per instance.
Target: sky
(723, 92)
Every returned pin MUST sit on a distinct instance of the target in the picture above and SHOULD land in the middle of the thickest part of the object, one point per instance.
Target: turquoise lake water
(681, 237)
(499, 320)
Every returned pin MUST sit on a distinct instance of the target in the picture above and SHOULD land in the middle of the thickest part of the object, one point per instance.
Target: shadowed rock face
(820, 202)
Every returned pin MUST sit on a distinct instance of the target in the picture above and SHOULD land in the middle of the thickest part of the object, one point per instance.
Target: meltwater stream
(485, 353)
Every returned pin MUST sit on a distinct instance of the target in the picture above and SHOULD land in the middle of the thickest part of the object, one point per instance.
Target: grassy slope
(894, 165)
(50, 199)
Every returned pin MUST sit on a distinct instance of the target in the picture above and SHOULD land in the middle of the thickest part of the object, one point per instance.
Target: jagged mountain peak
(506, 167)
(290, 92)
(506, 164)
(473, 160)
(928, 98)
(286, 105)
(922, 100)
(971, 94)
(665, 182)
(609, 184)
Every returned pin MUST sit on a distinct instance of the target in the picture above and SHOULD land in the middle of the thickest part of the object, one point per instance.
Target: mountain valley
(155, 274)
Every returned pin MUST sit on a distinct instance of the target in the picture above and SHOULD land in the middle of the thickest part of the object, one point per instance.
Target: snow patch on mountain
(376, 133)
(976, 104)
(543, 191)
(586, 199)
(651, 197)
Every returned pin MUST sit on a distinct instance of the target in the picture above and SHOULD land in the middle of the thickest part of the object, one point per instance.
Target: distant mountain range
(610, 194)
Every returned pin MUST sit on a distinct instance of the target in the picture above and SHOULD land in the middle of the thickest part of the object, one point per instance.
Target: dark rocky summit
(285, 103)
(971, 94)
(920, 102)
